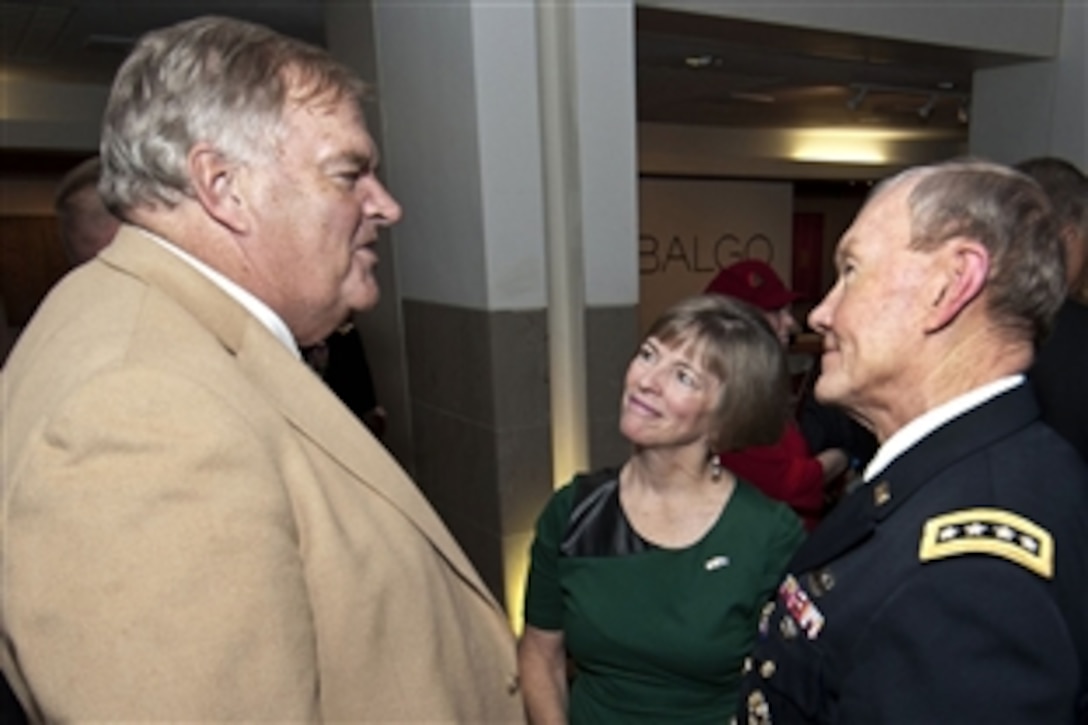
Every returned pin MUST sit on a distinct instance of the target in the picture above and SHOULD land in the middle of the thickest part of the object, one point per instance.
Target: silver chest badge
(716, 562)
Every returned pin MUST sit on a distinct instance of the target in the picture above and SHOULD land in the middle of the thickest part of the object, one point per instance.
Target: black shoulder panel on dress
(597, 526)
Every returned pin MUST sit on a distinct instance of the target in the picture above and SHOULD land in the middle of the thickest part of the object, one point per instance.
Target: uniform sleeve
(152, 567)
(543, 592)
(971, 639)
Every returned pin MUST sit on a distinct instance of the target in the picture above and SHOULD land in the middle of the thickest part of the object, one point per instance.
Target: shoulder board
(991, 532)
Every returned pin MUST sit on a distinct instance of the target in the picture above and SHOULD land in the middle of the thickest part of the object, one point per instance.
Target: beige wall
(690, 228)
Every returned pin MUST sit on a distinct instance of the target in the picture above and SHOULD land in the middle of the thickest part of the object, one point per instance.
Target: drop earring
(715, 468)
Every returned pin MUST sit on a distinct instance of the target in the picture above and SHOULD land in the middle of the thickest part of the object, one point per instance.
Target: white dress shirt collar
(914, 431)
(264, 314)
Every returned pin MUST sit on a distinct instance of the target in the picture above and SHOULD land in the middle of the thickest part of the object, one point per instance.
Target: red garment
(785, 471)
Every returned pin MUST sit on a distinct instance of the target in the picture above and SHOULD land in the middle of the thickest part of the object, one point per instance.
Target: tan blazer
(194, 528)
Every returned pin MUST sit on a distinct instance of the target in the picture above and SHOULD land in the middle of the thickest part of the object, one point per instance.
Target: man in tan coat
(193, 527)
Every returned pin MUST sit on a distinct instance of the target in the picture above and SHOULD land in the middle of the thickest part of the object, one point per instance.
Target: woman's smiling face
(669, 397)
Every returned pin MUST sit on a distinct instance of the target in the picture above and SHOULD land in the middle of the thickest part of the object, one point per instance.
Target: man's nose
(820, 317)
(380, 205)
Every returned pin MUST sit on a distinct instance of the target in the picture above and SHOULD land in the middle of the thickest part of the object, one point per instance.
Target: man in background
(1061, 365)
(342, 363)
(193, 528)
(86, 225)
(948, 587)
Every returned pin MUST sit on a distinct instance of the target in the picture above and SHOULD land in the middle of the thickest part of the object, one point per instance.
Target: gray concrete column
(482, 257)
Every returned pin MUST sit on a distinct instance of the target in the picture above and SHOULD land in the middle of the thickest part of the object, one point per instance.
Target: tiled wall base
(481, 417)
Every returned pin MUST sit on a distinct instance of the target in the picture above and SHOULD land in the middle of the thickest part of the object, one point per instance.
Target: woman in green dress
(650, 578)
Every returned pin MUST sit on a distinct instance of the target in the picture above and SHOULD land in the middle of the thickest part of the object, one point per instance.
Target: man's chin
(365, 299)
(826, 391)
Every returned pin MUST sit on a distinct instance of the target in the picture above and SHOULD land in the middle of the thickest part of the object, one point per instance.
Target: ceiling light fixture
(929, 98)
(855, 101)
(841, 146)
(752, 97)
(703, 60)
(103, 41)
(926, 109)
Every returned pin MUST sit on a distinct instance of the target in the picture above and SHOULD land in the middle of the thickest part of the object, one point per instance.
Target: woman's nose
(649, 379)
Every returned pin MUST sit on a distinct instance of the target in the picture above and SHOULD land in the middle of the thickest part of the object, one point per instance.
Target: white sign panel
(690, 228)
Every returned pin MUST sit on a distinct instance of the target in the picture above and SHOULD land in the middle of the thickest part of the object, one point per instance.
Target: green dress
(657, 635)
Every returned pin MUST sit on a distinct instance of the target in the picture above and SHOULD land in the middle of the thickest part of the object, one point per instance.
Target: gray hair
(1009, 214)
(211, 80)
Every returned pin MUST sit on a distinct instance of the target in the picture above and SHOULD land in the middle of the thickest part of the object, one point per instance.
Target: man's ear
(964, 269)
(215, 181)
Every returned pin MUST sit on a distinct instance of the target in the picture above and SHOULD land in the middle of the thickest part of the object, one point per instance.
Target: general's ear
(964, 269)
(215, 182)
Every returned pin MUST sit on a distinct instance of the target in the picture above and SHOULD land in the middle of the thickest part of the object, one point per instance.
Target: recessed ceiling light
(103, 41)
(704, 60)
(752, 97)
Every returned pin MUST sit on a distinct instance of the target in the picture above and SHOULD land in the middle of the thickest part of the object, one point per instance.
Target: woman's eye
(686, 377)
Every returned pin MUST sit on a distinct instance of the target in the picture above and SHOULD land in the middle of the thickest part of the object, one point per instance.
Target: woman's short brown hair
(738, 347)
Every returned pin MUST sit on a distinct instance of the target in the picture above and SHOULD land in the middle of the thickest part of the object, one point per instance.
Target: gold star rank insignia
(991, 532)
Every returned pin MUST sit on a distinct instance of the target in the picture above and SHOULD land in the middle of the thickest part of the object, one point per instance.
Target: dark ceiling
(712, 71)
(691, 69)
(84, 41)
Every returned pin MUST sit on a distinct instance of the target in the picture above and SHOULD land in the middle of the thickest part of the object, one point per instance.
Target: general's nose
(820, 317)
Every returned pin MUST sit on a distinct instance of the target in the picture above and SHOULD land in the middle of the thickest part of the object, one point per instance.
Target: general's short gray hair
(1009, 214)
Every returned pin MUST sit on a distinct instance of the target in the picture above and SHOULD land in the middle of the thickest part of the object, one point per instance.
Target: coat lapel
(849, 523)
(957, 439)
(857, 516)
(305, 401)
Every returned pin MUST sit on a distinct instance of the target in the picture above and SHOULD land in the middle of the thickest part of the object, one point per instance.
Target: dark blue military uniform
(953, 588)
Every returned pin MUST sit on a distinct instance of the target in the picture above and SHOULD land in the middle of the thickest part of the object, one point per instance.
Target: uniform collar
(856, 516)
(923, 425)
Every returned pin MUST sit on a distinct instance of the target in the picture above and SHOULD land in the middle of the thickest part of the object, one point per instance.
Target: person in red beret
(787, 470)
